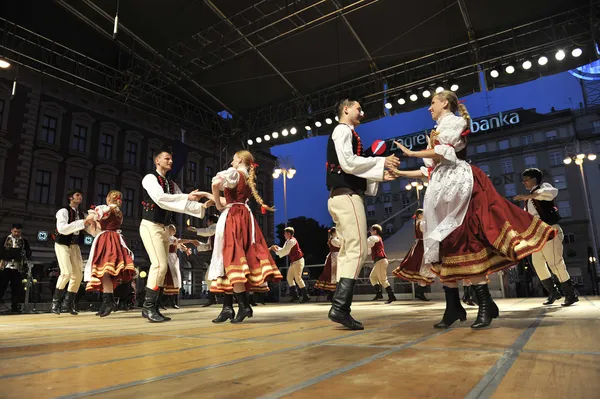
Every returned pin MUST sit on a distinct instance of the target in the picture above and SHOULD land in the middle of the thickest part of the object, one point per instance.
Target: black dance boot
(67, 305)
(340, 305)
(227, 312)
(304, 294)
(175, 302)
(293, 294)
(161, 295)
(244, 309)
(467, 297)
(487, 308)
(391, 296)
(378, 292)
(56, 301)
(553, 294)
(107, 304)
(570, 295)
(261, 298)
(420, 293)
(454, 310)
(150, 306)
(330, 296)
(212, 300)
(251, 300)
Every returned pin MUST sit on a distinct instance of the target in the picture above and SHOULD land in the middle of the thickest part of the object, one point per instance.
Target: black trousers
(15, 279)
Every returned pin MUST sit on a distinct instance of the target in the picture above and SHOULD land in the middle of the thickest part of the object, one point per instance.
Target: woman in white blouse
(471, 230)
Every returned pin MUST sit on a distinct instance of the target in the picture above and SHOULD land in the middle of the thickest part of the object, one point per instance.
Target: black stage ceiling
(277, 64)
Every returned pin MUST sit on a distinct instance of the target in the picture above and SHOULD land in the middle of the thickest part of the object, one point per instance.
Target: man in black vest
(69, 223)
(162, 198)
(541, 203)
(13, 265)
(350, 176)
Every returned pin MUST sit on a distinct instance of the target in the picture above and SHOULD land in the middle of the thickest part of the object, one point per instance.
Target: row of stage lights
(286, 132)
(426, 94)
(543, 60)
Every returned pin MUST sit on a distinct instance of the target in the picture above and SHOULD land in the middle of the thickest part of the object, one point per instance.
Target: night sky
(307, 194)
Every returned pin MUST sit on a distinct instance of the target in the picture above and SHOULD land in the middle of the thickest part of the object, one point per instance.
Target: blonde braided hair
(116, 198)
(248, 160)
(454, 105)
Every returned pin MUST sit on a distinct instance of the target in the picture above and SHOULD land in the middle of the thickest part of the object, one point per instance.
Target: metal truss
(445, 65)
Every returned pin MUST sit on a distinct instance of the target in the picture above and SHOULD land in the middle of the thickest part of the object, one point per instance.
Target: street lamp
(579, 152)
(418, 186)
(287, 173)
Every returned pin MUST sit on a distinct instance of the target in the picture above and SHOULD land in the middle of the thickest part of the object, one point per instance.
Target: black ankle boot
(330, 296)
(244, 309)
(159, 300)
(378, 292)
(391, 296)
(467, 295)
(107, 303)
(487, 308)
(149, 308)
(340, 305)
(304, 294)
(212, 300)
(67, 305)
(420, 293)
(56, 301)
(227, 312)
(553, 294)
(293, 294)
(251, 299)
(454, 310)
(261, 298)
(175, 302)
(570, 295)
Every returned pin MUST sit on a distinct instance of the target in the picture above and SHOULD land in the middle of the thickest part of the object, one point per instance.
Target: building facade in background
(503, 145)
(54, 137)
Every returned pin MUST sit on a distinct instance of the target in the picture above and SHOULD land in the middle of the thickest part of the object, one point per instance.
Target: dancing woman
(471, 230)
(241, 261)
(327, 279)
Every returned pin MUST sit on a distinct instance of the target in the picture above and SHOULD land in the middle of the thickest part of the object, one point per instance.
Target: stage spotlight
(439, 89)
(401, 101)
(318, 124)
(4, 64)
(454, 87)
(267, 137)
(337, 119)
(413, 97)
(275, 135)
(510, 69)
(543, 60)
(426, 94)
(494, 73)
(328, 121)
(293, 130)
(250, 142)
(258, 140)
(285, 132)
(576, 52)
(307, 127)
(560, 55)
(526, 64)
(388, 105)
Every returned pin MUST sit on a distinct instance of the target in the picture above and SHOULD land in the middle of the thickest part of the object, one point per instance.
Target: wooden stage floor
(293, 351)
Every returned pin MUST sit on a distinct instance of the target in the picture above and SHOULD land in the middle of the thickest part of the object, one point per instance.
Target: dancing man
(378, 275)
(208, 231)
(162, 197)
(292, 250)
(327, 279)
(69, 223)
(350, 176)
(540, 203)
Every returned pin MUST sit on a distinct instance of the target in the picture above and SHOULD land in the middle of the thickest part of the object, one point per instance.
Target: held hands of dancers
(197, 195)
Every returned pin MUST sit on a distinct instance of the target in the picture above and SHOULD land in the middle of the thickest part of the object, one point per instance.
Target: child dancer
(327, 280)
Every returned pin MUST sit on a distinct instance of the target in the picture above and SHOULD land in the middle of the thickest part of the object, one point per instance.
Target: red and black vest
(336, 177)
(377, 251)
(296, 253)
(150, 210)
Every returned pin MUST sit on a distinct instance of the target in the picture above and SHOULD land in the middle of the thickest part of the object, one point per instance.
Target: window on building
(209, 174)
(1, 110)
(503, 145)
(551, 135)
(48, 133)
(564, 209)
(75, 182)
(510, 190)
(527, 139)
(150, 164)
(480, 148)
(128, 198)
(389, 228)
(131, 153)
(106, 145)
(485, 168)
(370, 210)
(387, 208)
(569, 238)
(530, 161)
(405, 201)
(103, 189)
(559, 182)
(595, 124)
(387, 187)
(79, 138)
(192, 171)
(507, 166)
(42, 186)
(555, 158)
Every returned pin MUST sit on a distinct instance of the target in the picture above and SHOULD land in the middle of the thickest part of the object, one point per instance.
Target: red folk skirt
(494, 235)
(245, 262)
(410, 268)
(324, 281)
(112, 258)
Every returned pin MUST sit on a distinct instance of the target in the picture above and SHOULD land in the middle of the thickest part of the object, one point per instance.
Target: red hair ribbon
(263, 209)
(255, 165)
(465, 133)
(414, 216)
(118, 198)
(461, 101)
(92, 206)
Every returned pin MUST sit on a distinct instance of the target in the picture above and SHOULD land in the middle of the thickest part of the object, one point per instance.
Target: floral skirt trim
(411, 276)
(253, 279)
(325, 285)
